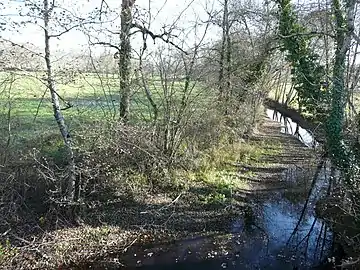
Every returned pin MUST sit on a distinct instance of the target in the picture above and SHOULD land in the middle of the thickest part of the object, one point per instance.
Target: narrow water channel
(288, 126)
(276, 232)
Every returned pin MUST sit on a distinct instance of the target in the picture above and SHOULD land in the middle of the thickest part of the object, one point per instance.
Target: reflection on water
(290, 127)
(276, 244)
(270, 235)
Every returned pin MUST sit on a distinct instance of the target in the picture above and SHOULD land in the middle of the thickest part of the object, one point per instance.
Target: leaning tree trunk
(344, 31)
(125, 58)
(72, 186)
(149, 96)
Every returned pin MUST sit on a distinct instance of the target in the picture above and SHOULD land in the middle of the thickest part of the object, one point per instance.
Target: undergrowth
(120, 165)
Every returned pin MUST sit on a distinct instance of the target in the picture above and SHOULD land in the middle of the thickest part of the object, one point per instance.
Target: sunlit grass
(219, 172)
(91, 97)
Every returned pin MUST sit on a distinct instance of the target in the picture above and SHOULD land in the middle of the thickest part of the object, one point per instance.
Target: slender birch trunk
(228, 53)
(72, 186)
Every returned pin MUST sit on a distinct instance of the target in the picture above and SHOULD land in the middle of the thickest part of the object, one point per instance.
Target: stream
(276, 232)
(288, 126)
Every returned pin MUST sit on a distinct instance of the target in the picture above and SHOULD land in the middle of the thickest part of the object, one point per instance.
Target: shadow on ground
(249, 231)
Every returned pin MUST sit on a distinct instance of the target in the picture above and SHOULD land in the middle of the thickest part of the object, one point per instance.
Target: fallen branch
(347, 264)
(165, 206)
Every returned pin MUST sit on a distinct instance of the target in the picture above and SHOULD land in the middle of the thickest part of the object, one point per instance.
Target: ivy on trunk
(340, 155)
(308, 74)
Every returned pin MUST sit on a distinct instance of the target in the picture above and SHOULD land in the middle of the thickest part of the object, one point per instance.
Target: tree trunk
(228, 55)
(344, 30)
(223, 50)
(125, 59)
(72, 185)
(154, 107)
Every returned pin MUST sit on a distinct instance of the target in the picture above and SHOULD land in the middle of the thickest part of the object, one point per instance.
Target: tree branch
(22, 47)
(63, 32)
(164, 36)
(101, 7)
(106, 44)
(313, 33)
(356, 37)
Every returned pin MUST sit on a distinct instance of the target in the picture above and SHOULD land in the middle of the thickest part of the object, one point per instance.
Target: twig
(39, 104)
(23, 240)
(174, 201)
(349, 263)
(106, 44)
(315, 178)
(165, 206)
(22, 47)
(131, 243)
(101, 7)
(314, 33)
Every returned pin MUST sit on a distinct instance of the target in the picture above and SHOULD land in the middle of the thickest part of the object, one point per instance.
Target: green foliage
(226, 155)
(340, 154)
(307, 73)
(215, 198)
(6, 250)
(221, 185)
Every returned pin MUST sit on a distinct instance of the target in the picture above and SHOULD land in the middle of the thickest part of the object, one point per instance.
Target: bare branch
(102, 5)
(63, 32)
(313, 33)
(106, 44)
(164, 36)
(356, 37)
(21, 46)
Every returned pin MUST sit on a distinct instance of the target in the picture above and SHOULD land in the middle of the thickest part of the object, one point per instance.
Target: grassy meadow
(25, 100)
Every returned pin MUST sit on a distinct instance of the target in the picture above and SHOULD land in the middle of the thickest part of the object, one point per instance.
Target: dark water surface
(268, 241)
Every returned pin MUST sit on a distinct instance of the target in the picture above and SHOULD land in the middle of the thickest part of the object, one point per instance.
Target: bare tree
(54, 26)
(72, 184)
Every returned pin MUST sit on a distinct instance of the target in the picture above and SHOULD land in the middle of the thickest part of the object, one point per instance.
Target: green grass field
(25, 98)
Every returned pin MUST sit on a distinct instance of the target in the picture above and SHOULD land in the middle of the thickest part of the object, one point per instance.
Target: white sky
(168, 11)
